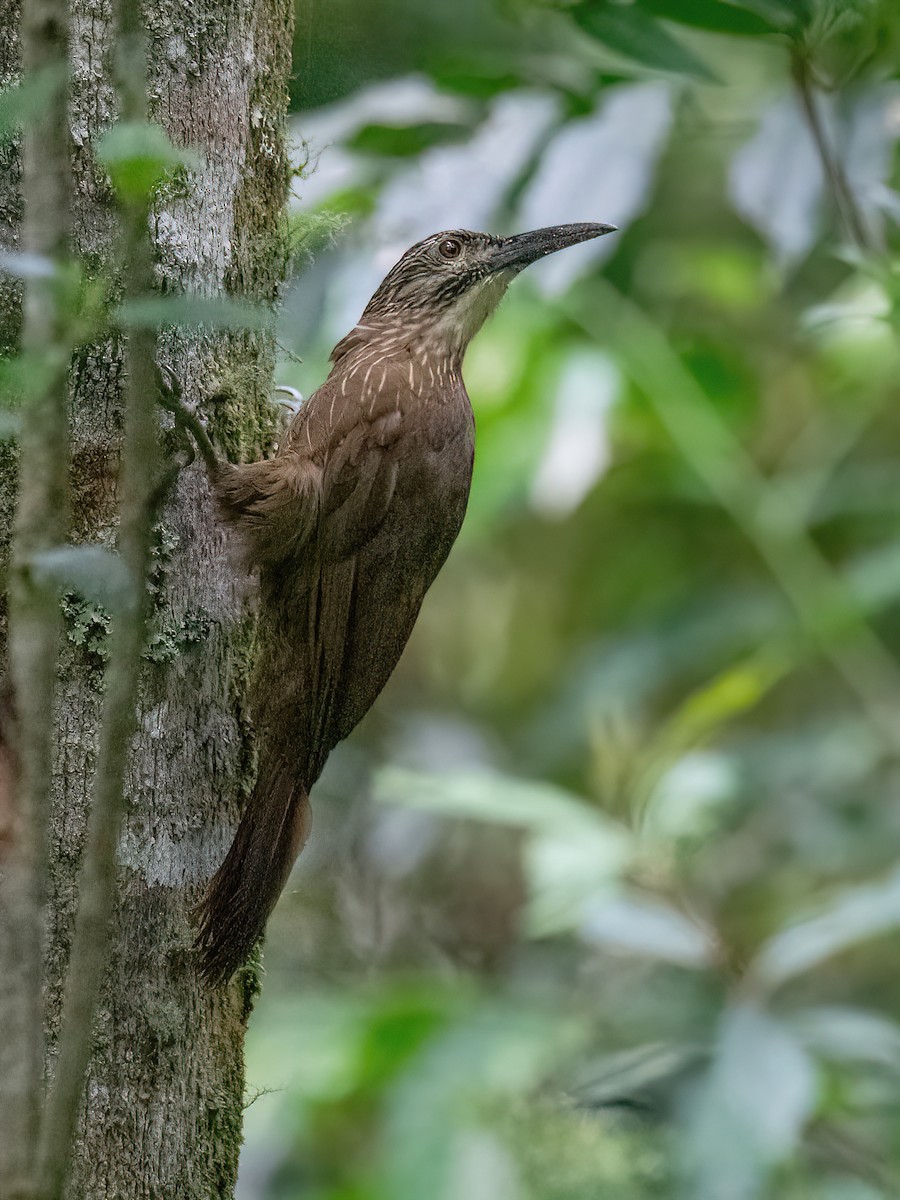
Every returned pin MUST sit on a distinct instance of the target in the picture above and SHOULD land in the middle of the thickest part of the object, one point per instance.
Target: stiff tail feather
(232, 915)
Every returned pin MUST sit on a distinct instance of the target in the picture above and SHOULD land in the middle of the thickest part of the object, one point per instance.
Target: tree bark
(162, 1108)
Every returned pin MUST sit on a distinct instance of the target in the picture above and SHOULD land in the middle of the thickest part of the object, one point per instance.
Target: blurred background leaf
(28, 98)
(629, 30)
(138, 156)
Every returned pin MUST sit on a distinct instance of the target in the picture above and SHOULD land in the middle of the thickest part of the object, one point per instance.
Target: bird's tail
(232, 916)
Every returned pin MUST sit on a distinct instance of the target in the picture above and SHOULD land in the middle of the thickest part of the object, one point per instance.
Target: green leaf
(394, 141)
(138, 156)
(28, 375)
(638, 36)
(22, 101)
(751, 1108)
(568, 871)
(637, 1074)
(734, 692)
(94, 572)
(858, 915)
(217, 312)
(649, 927)
(717, 16)
(849, 1035)
(573, 854)
(398, 1026)
(485, 797)
(785, 14)
(480, 77)
(476, 1066)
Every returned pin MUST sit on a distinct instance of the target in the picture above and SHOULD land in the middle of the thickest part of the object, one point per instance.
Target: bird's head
(444, 288)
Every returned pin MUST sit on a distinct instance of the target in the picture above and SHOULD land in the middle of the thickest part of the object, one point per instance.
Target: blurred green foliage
(603, 899)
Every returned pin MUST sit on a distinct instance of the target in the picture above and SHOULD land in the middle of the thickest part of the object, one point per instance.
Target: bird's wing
(329, 487)
(272, 504)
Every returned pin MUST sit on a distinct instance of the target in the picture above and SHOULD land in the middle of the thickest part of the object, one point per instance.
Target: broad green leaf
(403, 141)
(636, 35)
(485, 797)
(783, 13)
(611, 156)
(875, 576)
(94, 572)
(138, 156)
(849, 1035)
(215, 312)
(717, 16)
(691, 799)
(633, 1074)
(776, 183)
(480, 77)
(573, 854)
(325, 1032)
(28, 375)
(736, 691)
(494, 1057)
(858, 915)
(568, 870)
(649, 928)
(751, 1108)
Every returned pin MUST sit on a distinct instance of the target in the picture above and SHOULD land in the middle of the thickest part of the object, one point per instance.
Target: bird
(345, 528)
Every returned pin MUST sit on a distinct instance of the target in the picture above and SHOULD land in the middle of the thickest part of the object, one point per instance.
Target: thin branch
(855, 224)
(138, 490)
(41, 522)
(290, 354)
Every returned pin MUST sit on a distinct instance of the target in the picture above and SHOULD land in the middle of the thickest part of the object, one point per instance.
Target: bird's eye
(450, 248)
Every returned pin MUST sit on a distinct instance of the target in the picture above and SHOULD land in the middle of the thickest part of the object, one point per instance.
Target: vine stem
(854, 222)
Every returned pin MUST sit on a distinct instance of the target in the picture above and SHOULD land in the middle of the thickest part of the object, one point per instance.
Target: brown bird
(347, 526)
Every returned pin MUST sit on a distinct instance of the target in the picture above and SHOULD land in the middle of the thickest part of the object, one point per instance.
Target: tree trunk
(162, 1107)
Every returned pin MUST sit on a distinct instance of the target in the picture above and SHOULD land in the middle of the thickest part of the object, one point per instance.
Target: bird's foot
(289, 402)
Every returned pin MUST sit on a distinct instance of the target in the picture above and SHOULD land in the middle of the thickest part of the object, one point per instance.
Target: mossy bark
(10, 289)
(163, 1101)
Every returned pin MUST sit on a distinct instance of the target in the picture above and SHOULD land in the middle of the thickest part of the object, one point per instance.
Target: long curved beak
(522, 249)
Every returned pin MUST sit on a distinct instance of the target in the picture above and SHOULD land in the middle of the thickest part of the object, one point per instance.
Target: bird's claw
(296, 398)
(289, 402)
